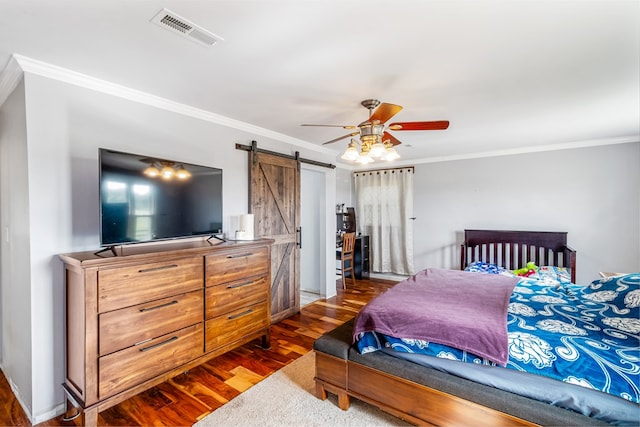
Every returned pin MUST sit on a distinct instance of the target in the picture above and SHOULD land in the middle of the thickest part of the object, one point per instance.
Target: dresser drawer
(124, 369)
(127, 286)
(230, 266)
(227, 297)
(125, 327)
(226, 329)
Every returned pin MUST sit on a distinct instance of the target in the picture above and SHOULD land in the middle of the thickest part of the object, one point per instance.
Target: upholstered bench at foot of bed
(337, 373)
(332, 352)
(419, 394)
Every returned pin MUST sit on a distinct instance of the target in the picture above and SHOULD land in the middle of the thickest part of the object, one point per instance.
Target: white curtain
(384, 207)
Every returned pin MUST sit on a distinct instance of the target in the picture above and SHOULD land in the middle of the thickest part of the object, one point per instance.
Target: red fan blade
(341, 137)
(384, 112)
(437, 125)
(334, 126)
(392, 139)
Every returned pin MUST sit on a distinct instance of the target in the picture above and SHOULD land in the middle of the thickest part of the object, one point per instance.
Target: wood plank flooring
(189, 397)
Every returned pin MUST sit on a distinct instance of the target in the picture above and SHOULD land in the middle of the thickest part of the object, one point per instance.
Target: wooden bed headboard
(513, 249)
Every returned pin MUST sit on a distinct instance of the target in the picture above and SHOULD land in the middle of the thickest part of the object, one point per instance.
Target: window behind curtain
(384, 206)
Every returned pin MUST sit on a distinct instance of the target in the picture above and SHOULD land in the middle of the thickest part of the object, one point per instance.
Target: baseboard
(59, 409)
(53, 413)
(16, 393)
(388, 276)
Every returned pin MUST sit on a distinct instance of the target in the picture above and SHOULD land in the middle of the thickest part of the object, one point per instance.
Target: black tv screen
(143, 198)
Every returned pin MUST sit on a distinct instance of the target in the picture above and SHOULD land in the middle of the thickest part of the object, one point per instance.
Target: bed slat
(513, 249)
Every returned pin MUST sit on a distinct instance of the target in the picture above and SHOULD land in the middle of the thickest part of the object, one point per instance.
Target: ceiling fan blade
(334, 126)
(341, 137)
(436, 125)
(384, 112)
(391, 138)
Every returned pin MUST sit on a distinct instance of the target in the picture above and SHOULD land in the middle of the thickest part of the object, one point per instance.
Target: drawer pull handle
(239, 255)
(239, 285)
(164, 267)
(142, 310)
(244, 313)
(159, 344)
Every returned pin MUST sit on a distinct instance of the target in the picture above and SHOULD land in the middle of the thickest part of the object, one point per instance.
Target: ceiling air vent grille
(178, 25)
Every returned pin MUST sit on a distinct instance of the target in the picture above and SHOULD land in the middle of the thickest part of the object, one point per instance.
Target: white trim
(9, 79)
(526, 150)
(18, 397)
(388, 276)
(497, 153)
(82, 80)
(53, 413)
(18, 64)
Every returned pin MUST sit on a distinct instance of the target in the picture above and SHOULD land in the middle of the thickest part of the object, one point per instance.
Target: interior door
(274, 199)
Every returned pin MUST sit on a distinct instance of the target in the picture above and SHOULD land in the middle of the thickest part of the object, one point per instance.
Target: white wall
(15, 289)
(51, 195)
(312, 214)
(592, 193)
(344, 187)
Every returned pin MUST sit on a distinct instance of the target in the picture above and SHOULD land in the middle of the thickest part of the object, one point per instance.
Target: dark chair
(346, 258)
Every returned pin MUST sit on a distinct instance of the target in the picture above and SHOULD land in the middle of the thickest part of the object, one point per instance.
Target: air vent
(178, 25)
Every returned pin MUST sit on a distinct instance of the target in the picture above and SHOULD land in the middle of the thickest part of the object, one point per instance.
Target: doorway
(312, 253)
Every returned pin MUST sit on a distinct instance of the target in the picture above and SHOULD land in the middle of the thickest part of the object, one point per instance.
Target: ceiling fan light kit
(370, 153)
(375, 142)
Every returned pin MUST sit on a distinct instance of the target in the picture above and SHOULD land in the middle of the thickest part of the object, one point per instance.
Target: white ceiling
(510, 76)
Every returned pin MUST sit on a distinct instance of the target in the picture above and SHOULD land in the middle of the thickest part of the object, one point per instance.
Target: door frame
(328, 244)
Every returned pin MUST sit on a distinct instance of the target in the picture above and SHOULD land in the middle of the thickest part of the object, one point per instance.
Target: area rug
(286, 398)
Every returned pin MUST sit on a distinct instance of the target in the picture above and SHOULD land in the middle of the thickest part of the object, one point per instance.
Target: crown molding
(532, 149)
(9, 78)
(496, 153)
(19, 64)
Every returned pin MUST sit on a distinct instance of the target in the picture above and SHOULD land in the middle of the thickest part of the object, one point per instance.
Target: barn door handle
(299, 240)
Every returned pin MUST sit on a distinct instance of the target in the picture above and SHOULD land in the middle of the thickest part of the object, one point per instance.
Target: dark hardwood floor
(189, 397)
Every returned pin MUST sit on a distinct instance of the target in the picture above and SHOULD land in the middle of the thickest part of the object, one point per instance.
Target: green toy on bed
(529, 270)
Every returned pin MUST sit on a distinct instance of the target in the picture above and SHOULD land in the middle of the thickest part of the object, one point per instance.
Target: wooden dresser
(150, 312)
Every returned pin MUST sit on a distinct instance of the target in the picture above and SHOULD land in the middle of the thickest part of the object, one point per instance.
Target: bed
(393, 366)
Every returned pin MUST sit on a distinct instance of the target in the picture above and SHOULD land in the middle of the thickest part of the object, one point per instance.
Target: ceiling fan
(375, 139)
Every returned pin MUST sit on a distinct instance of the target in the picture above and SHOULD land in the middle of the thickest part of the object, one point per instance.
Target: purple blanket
(455, 308)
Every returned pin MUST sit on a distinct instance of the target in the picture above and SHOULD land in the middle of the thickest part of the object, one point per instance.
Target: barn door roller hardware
(253, 148)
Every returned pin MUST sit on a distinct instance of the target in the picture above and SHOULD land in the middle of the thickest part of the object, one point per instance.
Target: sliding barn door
(274, 199)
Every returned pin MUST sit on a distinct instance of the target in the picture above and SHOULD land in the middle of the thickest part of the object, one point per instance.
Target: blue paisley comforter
(589, 336)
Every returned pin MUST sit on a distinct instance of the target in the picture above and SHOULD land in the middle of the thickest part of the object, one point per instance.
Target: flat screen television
(143, 198)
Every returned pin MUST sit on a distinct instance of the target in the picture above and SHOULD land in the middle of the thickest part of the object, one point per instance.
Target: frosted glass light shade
(390, 154)
(351, 153)
(363, 160)
(377, 150)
